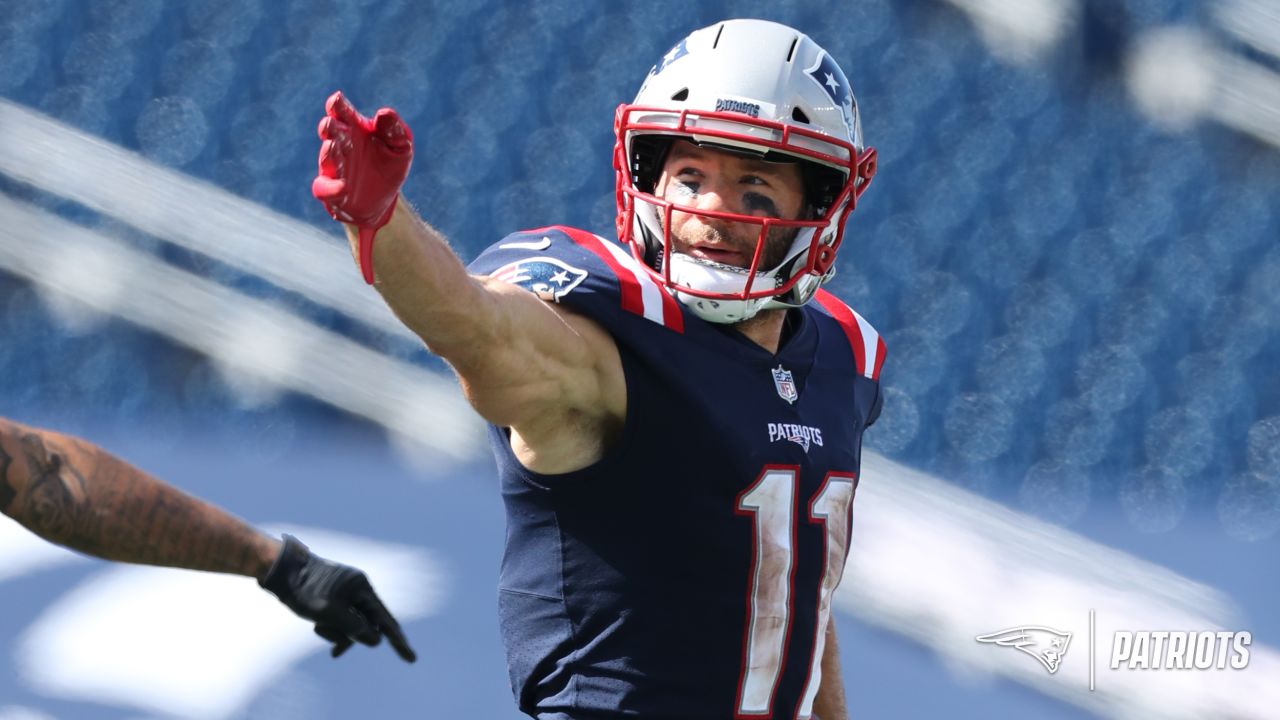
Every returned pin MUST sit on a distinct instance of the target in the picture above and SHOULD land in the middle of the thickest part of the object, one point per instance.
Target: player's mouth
(719, 254)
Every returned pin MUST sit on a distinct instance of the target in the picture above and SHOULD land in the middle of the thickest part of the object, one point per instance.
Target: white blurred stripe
(17, 712)
(1177, 75)
(249, 337)
(942, 565)
(1248, 98)
(180, 209)
(202, 645)
(22, 553)
(1255, 22)
(1020, 30)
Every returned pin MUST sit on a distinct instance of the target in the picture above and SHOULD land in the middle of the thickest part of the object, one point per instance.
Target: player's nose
(712, 197)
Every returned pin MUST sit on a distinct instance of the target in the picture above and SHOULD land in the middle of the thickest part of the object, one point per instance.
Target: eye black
(754, 202)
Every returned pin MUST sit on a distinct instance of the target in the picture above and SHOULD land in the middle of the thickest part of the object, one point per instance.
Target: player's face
(708, 179)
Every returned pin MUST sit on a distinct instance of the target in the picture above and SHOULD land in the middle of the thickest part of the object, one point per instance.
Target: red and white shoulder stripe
(868, 347)
(640, 294)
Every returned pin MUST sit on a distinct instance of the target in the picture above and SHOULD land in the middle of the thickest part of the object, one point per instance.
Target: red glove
(363, 163)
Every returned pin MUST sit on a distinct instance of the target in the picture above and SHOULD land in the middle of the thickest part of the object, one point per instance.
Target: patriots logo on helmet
(548, 278)
(828, 74)
(1045, 644)
(674, 54)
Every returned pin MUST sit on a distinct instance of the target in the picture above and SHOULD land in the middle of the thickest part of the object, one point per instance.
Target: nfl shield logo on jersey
(785, 384)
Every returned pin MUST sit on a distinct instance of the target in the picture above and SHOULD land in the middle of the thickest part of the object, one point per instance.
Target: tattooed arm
(73, 493)
(76, 494)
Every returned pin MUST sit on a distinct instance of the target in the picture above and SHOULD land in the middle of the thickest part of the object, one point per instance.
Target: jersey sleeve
(583, 272)
(867, 347)
(876, 406)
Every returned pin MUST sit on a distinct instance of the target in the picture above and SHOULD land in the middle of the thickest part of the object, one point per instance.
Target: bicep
(532, 358)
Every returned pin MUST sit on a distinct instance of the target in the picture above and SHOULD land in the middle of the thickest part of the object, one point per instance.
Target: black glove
(338, 598)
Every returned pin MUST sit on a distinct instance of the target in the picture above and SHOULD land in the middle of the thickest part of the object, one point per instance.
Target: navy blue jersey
(688, 573)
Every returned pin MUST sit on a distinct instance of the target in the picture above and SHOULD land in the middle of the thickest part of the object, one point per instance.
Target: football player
(677, 419)
(73, 493)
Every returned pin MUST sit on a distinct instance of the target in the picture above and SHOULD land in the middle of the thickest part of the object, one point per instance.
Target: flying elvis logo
(548, 278)
(827, 74)
(1045, 644)
(674, 54)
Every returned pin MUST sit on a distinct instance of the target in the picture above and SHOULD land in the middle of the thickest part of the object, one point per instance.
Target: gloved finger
(332, 158)
(329, 128)
(369, 634)
(393, 131)
(341, 643)
(399, 642)
(330, 632)
(328, 188)
(339, 108)
(353, 624)
(372, 607)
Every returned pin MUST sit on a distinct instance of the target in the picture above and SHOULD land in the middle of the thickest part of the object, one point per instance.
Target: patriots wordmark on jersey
(689, 572)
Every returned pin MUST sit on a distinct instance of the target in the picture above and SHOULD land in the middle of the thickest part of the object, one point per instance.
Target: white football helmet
(761, 89)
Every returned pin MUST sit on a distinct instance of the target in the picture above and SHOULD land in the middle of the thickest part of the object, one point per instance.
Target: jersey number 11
(771, 502)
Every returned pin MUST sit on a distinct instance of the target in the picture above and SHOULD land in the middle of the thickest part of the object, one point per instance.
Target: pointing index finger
(373, 609)
(401, 644)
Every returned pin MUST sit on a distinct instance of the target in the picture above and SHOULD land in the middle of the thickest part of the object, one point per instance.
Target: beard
(776, 248)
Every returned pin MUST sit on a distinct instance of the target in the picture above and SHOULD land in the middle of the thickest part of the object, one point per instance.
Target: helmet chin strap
(715, 277)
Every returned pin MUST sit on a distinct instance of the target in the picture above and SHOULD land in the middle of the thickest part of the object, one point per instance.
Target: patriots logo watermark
(828, 74)
(1045, 644)
(548, 278)
(786, 384)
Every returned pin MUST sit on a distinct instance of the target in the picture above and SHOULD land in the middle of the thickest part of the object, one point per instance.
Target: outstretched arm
(523, 364)
(74, 493)
(519, 359)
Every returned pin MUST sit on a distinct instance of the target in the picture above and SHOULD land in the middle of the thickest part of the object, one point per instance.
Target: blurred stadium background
(1071, 247)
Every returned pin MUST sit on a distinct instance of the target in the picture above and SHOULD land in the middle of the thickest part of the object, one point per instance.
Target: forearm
(75, 494)
(830, 702)
(426, 285)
